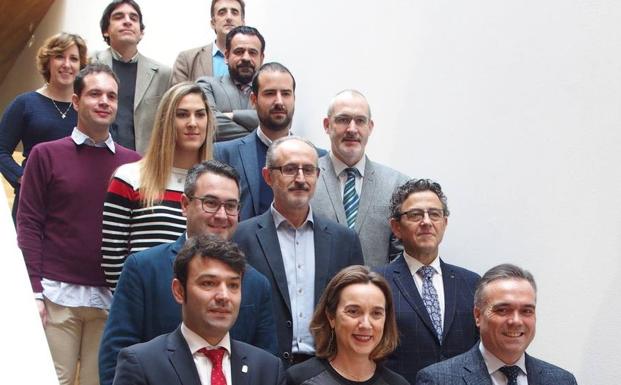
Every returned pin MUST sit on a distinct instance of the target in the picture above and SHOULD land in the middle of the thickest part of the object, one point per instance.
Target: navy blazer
(167, 360)
(469, 369)
(418, 344)
(241, 154)
(336, 247)
(143, 307)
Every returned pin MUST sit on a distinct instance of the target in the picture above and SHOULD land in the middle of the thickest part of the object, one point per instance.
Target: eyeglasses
(211, 205)
(293, 169)
(417, 215)
(346, 120)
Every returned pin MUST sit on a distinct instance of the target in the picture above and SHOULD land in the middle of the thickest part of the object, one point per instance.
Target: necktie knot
(214, 355)
(511, 372)
(351, 172)
(426, 272)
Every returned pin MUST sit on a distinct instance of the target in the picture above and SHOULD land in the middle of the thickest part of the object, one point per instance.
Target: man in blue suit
(273, 95)
(433, 300)
(207, 285)
(504, 310)
(297, 250)
(143, 305)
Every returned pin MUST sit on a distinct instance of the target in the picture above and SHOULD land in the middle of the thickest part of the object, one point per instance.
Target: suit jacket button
(285, 355)
(289, 324)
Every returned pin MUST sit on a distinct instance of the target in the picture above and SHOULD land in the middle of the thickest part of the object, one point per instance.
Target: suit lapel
(450, 296)
(323, 255)
(240, 368)
(248, 155)
(535, 375)
(176, 246)
(268, 239)
(204, 63)
(181, 359)
(232, 93)
(144, 74)
(475, 370)
(367, 193)
(333, 187)
(404, 281)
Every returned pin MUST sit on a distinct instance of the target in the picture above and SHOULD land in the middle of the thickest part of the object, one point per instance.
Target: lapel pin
(244, 368)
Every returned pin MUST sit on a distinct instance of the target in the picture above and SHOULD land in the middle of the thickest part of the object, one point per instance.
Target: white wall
(512, 106)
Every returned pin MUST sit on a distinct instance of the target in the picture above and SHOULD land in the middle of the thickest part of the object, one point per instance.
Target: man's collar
(414, 264)
(81, 138)
(339, 166)
(263, 138)
(215, 51)
(196, 342)
(493, 363)
(279, 218)
(118, 57)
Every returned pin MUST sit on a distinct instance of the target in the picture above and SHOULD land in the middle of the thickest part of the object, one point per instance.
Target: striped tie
(350, 197)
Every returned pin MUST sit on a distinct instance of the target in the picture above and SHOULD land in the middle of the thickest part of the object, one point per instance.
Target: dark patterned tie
(215, 356)
(350, 197)
(430, 299)
(511, 372)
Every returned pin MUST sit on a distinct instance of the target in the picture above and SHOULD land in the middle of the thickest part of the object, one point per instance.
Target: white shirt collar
(81, 138)
(118, 57)
(263, 138)
(339, 166)
(196, 342)
(414, 264)
(493, 363)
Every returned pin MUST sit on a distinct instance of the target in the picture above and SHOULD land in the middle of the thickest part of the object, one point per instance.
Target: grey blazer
(152, 81)
(193, 63)
(372, 224)
(224, 96)
(469, 369)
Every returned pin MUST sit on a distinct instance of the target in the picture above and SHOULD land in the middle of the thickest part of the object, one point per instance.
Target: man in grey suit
(363, 203)
(142, 81)
(297, 250)
(504, 310)
(208, 60)
(229, 95)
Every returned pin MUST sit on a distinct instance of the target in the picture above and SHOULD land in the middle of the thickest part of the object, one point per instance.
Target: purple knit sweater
(59, 218)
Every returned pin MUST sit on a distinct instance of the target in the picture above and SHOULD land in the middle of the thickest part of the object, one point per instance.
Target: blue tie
(350, 197)
(511, 372)
(430, 299)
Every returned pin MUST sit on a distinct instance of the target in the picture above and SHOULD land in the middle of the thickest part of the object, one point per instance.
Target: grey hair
(503, 271)
(269, 157)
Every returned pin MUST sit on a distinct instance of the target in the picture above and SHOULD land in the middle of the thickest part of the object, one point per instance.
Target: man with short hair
(144, 306)
(296, 249)
(209, 60)
(59, 226)
(433, 299)
(229, 95)
(505, 313)
(143, 81)
(352, 189)
(208, 286)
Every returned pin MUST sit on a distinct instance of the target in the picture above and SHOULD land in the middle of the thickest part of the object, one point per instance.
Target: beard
(275, 123)
(245, 75)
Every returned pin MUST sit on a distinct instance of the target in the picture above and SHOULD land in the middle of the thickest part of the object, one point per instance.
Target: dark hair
(413, 186)
(78, 83)
(209, 166)
(503, 271)
(242, 5)
(320, 327)
(269, 67)
(244, 30)
(104, 23)
(208, 246)
(57, 44)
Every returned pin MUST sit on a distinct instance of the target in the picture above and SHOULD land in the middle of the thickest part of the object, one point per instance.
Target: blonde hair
(57, 44)
(157, 164)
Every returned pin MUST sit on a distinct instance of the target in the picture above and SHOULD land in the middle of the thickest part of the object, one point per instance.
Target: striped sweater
(128, 227)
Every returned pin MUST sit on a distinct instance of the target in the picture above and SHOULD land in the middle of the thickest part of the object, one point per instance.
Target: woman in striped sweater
(143, 203)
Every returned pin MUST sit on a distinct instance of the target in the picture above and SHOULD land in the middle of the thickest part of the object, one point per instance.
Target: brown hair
(157, 164)
(320, 324)
(55, 45)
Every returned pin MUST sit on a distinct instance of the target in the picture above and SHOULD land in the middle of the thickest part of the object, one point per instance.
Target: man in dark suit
(207, 285)
(352, 189)
(504, 310)
(297, 250)
(273, 95)
(433, 300)
(144, 306)
(209, 60)
(229, 95)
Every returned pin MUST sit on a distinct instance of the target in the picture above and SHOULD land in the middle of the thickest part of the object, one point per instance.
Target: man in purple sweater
(59, 226)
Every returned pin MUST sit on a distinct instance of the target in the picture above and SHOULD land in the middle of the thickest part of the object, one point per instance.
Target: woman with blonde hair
(46, 113)
(354, 328)
(143, 203)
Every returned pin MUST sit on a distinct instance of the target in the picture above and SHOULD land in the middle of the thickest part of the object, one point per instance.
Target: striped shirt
(128, 227)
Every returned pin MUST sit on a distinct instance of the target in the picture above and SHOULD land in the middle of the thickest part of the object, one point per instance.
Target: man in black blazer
(297, 250)
(504, 309)
(207, 285)
(433, 300)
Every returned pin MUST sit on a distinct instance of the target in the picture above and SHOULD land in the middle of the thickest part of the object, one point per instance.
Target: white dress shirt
(494, 364)
(203, 364)
(438, 284)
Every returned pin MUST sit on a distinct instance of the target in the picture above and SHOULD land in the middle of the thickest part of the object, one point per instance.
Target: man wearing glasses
(297, 250)
(143, 305)
(433, 299)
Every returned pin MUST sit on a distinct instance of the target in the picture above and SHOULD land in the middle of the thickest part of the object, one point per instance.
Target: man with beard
(297, 250)
(273, 95)
(229, 95)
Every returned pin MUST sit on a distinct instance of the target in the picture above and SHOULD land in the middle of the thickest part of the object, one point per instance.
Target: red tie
(215, 356)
